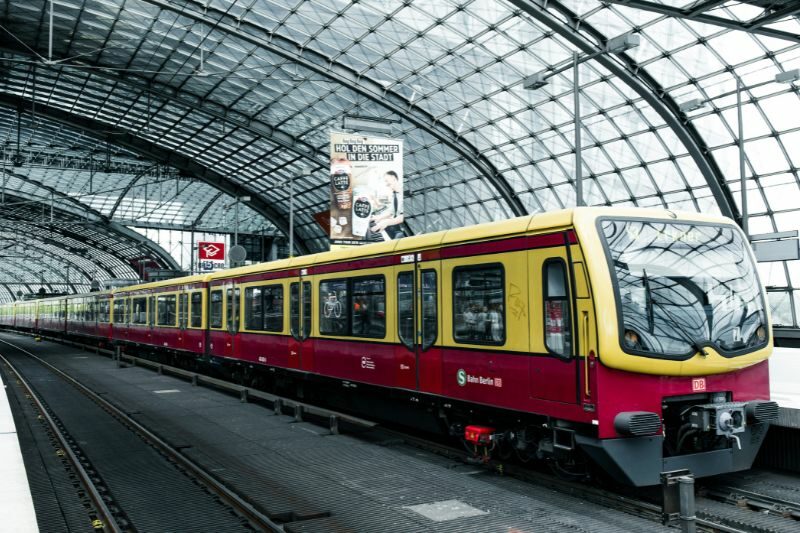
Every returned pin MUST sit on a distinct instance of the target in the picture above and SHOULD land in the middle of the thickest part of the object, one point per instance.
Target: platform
(318, 482)
(16, 504)
(784, 381)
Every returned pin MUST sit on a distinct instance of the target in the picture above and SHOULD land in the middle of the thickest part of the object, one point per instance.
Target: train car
(633, 339)
(89, 315)
(53, 315)
(7, 314)
(167, 314)
(638, 338)
(26, 315)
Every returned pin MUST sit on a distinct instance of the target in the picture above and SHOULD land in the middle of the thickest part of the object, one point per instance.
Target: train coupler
(483, 440)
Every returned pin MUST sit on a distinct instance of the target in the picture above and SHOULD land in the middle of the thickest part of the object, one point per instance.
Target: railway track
(110, 501)
(720, 508)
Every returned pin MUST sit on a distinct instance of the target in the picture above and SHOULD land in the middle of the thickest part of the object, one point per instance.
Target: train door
(553, 367)
(233, 304)
(183, 320)
(585, 330)
(419, 360)
(151, 319)
(301, 348)
(215, 330)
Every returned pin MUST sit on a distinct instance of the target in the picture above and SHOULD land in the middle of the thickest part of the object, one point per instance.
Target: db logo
(699, 384)
(211, 250)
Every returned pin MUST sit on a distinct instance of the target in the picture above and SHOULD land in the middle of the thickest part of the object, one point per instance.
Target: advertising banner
(366, 189)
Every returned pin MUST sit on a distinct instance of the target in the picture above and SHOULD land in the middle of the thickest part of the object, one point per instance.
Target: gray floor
(299, 471)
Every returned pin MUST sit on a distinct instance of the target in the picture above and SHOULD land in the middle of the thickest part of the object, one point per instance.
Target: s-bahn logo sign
(462, 378)
(213, 251)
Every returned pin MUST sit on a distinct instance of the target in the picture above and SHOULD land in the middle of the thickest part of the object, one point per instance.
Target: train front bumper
(639, 461)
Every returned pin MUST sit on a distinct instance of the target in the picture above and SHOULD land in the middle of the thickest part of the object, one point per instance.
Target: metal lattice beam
(338, 73)
(643, 85)
(698, 15)
(163, 155)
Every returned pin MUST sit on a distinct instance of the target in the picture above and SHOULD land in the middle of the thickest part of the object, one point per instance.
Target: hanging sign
(211, 251)
(366, 189)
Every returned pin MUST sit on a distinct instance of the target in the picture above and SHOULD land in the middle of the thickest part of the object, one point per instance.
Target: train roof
(539, 222)
(186, 280)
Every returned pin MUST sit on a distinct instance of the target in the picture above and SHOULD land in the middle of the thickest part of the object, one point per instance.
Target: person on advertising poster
(390, 219)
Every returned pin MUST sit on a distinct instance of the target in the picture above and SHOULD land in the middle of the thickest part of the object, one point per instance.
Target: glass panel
(215, 311)
(369, 307)
(273, 308)
(430, 311)
(478, 297)
(197, 310)
(183, 310)
(333, 299)
(681, 286)
(233, 310)
(306, 309)
(294, 309)
(253, 309)
(557, 331)
(166, 310)
(139, 314)
(405, 308)
(151, 311)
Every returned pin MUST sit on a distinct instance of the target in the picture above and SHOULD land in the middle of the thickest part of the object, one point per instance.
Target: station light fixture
(790, 76)
(622, 43)
(692, 105)
(535, 81)
(368, 124)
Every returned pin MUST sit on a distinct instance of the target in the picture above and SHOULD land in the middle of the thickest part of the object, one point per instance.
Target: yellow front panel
(609, 349)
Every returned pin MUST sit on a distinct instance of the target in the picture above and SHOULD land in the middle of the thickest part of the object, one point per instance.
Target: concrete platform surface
(331, 483)
(16, 504)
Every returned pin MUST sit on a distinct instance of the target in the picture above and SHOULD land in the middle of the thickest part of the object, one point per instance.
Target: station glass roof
(224, 98)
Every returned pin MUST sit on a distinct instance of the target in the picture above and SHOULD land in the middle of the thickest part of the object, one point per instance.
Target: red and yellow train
(636, 338)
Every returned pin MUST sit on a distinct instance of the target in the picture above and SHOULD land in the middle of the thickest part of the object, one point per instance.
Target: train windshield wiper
(651, 301)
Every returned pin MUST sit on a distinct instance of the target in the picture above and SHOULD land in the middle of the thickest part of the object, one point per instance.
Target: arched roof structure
(221, 99)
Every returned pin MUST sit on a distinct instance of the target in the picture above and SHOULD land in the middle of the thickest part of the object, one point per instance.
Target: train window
(405, 309)
(233, 310)
(151, 311)
(104, 311)
(253, 308)
(263, 309)
(183, 310)
(478, 304)
(430, 309)
(196, 320)
(294, 310)
(167, 312)
(557, 334)
(369, 307)
(273, 308)
(119, 310)
(333, 319)
(139, 312)
(215, 311)
(306, 309)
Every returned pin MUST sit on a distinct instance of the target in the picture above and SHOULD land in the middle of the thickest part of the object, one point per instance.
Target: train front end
(683, 380)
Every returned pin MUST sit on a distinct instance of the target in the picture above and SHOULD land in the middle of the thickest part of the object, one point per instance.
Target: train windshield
(682, 287)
